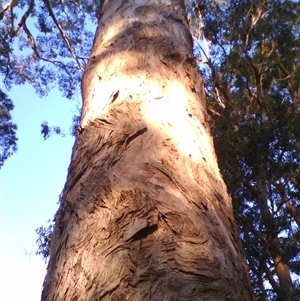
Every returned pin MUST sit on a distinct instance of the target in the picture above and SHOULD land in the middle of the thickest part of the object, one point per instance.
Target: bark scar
(164, 173)
(135, 135)
(114, 96)
(139, 229)
(143, 233)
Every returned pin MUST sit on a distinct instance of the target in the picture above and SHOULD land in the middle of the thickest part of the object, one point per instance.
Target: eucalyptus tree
(144, 213)
(144, 198)
(252, 79)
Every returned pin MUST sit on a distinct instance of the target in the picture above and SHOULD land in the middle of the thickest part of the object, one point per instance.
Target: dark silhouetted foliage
(8, 138)
(252, 77)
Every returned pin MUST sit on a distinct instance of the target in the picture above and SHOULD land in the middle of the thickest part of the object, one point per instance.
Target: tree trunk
(145, 214)
(286, 291)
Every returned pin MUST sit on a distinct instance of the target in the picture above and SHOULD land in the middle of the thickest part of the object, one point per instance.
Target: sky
(30, 184)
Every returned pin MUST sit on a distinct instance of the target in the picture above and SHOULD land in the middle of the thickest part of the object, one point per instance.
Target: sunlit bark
(145, 214)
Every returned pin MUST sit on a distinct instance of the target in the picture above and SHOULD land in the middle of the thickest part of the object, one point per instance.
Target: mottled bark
(145, 214)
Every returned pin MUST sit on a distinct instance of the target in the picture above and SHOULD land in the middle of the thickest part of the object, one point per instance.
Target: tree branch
(64, 36)
(271, 278)
(243, 220)
(8, 7)
(25, 16)
(289, 207)
(36, 52)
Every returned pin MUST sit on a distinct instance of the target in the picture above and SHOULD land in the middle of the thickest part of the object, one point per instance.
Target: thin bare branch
(8, 7)
(292, 210)
(199, 45)
(25, 16)
(218, 87)
(36, 52)
(270, 278)
(243, 220)
(64, 36)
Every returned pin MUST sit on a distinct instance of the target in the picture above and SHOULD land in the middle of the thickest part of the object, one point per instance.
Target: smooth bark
(145, 214)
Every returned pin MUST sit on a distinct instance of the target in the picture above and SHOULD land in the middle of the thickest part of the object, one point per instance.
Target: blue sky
(30, 184)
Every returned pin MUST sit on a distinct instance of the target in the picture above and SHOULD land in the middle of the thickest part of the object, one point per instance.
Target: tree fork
(145, 214)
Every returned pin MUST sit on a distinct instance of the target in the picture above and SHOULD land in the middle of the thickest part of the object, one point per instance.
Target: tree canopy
(249, 56)
(45, 44)
(252, 82)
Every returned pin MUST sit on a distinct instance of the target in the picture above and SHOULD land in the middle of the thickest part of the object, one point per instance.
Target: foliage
(45, 43)
(35, 34)
(8, 138)
(43, 241)
(252, 78)
(47, 131)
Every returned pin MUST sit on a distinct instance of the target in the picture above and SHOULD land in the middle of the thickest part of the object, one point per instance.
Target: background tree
(252, 81)
(8, 138)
